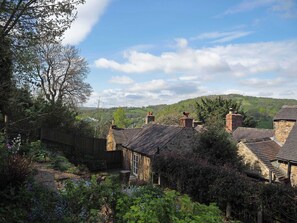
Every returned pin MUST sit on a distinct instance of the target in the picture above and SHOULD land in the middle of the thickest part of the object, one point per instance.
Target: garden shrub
(208, 183)
(37, 151)
(14, 168)
(151, 205)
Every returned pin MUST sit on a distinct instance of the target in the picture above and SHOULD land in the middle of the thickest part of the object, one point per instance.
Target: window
(135, 163)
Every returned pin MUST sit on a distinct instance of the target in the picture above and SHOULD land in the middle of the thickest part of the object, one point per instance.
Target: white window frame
(135, 164)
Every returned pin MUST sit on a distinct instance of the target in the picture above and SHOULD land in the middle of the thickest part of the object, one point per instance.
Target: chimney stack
(186, 121)
(149, 118)
(233, 121)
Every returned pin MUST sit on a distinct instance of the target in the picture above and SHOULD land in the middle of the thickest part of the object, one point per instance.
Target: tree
(217, 146)
(60, 72)
(169, 119)
(30, 19)
(120, 119)
(217, 108)
(23, 23)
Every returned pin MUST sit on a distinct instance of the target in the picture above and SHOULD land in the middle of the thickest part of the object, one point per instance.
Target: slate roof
(266, 151)
(289, 150)
(251, 133)
(287, 112)
(121, 136)
(154, 136)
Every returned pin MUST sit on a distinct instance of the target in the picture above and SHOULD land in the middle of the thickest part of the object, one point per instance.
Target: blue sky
(144, 52)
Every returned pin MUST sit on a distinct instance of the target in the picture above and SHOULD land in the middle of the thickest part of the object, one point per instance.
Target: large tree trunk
(5, 80)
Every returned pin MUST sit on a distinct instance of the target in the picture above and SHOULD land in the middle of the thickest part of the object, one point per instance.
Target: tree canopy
(120, 119)
(60, 72)
(216, 110)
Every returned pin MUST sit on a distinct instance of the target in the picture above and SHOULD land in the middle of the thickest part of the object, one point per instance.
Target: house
(271, 154)
(285, 125)
(118, 136)
(153, 139)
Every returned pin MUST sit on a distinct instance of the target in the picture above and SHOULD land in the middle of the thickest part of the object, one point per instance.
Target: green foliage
(35, 151)
(82, 201)
(14, 168)
(217, 146)
(261, 109)
(150, 205)
(208, 183)
(217, 109)
(120, 118)
(60, 163)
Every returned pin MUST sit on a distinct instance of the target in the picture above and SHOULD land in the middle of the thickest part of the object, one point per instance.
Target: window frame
(135, 164)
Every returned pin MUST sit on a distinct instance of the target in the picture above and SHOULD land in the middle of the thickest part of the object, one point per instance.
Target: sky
(144, 52)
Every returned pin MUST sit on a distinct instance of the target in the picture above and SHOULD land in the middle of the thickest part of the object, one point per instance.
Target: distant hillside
(262, 109)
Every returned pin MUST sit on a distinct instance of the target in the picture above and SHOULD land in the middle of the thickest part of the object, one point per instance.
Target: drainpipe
(270, 176)
(289, 171)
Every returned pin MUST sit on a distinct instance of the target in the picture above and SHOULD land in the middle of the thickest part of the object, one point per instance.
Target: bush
(82, 201)
(61, 163)
(36, 151)
(14, 168)
(151, 205)
(223, 185)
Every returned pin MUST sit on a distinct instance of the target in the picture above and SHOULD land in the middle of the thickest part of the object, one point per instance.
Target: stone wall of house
(282, 129)
(144, 166)
(252, 161)
(110, 142)
(293, 178)
(127, 159)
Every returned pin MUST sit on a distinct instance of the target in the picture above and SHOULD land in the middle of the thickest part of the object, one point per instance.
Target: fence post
(228, 210)
(260, 215)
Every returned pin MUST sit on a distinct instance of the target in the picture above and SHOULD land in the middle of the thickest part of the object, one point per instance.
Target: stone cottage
(271, 154)
(286, 134)
(154, 139)
(118, 136)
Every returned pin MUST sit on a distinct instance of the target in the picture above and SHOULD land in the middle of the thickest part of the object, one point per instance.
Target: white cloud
(151, 92)
(237, 60)
(168, 62)
(286, 8)
(264, 83)
(121, 80)
(256, 69)
(88, 15)
(221, 37)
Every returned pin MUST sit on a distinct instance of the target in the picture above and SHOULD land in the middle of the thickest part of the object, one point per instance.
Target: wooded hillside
(262, 109)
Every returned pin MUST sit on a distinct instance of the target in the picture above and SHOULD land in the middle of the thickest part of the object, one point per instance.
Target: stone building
(154, 139)
(118, 136)
(286, 134)
(271, 154)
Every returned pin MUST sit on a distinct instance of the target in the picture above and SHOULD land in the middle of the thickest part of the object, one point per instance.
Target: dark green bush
(14, 168)
(151, 205)
(60, 162)
(224, 185)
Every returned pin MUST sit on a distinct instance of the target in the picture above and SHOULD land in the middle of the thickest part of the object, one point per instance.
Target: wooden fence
(91, 151)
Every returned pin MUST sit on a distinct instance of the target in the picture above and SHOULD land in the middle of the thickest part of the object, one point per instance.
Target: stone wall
(282, 129)
(144, 166)
(127, 159)
(252, 161)
(293, 177)
(110, 144)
